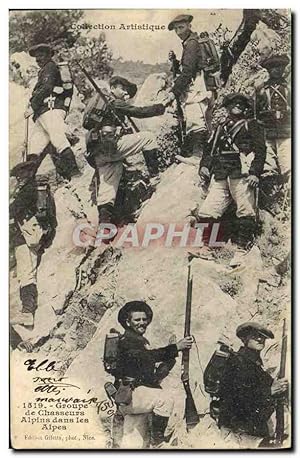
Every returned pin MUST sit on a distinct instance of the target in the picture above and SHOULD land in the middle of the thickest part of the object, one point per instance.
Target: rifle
(107, 101)
(25, 151)
(191, 416)
(279, 430)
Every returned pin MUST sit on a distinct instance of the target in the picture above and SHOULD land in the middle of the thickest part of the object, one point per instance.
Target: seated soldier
(234, 157)
(109, 143)
(137, 366)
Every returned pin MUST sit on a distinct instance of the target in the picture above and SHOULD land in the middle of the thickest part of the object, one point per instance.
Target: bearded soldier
(109, 143)
(137, 366)
(274, 111)
(234, 157)
(194, 86)
(49, 105)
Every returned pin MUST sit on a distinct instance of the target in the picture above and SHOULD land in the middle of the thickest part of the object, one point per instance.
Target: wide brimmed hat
(275, 61)
(40, 47)
(237, 97)
(134, 306)
(180, 18)
(130, 87)
(249, 328)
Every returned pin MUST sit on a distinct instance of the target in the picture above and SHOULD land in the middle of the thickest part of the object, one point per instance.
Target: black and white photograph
(150, 227)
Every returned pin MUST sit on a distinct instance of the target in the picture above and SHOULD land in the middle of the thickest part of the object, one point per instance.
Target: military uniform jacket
(43, 96)
(192, 61)
(273, 108)
(221, 154)
(124, 109)
(137, 362)
(246, 403)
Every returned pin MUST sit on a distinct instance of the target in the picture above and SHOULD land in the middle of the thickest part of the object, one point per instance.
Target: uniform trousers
(195, 104)
(281, 149)
(27, 254)
(221, 193)
(110, 166)
(147, 400)
(49, 127)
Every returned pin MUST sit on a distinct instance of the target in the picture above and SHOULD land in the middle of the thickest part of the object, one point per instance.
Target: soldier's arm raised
(124, 108)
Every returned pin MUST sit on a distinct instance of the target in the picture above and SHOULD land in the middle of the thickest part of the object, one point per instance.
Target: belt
(224, 153)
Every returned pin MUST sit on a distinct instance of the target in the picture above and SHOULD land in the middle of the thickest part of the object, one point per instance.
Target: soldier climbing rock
(33, 226)
(234, 158)
(194, 84)
(49, 105)
(274, 111)
(247, 392)
(137, 367)
(109, 143)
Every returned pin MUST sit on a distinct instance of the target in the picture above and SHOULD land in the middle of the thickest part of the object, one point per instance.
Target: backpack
(94, 112)
(67, 82)
(111, 351)
(215, 368)
(210, 61)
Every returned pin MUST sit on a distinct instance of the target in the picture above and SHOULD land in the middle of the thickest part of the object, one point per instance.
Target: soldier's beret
(237, 97)
(275, 61)
(134, 306)
(246, 329)
(130, 87)
(40, 47)
(180, 18)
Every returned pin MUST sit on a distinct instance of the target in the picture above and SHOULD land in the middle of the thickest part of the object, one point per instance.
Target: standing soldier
(235, 172)
(194, 85)
(247, 392)
(274, 110)
(49, 104)
(109, 143)
(33, 226)
(137, 367)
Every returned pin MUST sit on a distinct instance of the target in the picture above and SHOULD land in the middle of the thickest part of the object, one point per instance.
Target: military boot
(159, 425)
(65, 164)
(29, 298)
(106, 213)
(244, 239)
(152, 161)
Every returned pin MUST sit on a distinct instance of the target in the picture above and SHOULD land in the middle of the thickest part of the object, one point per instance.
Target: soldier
(247, 391)
(274, 110)
(234, 157)
(49, 105)
(138, 364)
(33, 227)
(194, 86)
(109, 143)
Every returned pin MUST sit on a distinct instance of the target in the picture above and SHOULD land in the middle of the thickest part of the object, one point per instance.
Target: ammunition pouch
(102, 141)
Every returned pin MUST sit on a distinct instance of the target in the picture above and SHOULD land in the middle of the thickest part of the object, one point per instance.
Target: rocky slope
(81, 289)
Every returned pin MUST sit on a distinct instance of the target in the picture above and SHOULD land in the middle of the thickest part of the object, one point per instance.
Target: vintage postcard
(150, 229)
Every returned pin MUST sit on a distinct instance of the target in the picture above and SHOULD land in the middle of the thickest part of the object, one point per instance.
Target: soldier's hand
(172, 56)
(253, 181)
(279, 386)
(185, 343)
(169, 99)
(28, 112)
(204, 173)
